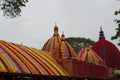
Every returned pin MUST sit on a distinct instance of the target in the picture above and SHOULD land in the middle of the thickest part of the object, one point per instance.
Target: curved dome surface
(88, 55)
(108, 52)
(63, 50)
(15, 58)
(50, 45)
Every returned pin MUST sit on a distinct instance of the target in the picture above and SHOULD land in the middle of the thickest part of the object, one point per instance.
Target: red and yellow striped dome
(88, 55)
(50, 45)
(15, 58)
(63, 50)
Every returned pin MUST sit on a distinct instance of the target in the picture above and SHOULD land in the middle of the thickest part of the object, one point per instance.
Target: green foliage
(78, 43)
(116, 73)
(12, 8)
(117, 35)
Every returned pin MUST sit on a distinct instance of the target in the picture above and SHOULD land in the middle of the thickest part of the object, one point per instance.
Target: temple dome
(50, 45)
(15, 58)
(86, 54)
(107, 51)
(63, 50)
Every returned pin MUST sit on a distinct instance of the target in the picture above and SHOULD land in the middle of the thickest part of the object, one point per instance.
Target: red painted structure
(107, 51)
(84, 69)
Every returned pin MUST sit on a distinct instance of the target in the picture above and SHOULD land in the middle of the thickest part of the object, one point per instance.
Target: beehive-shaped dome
(63, 50)
(15, 58)
(50, 45)
(107, 51)
(86, 54)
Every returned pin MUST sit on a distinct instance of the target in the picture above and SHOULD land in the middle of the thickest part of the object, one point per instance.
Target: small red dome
(108, 52)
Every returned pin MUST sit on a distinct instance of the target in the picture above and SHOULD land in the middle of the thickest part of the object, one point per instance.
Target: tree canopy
(12, 8)
(116, 73)
(117, 35)
(78, 43)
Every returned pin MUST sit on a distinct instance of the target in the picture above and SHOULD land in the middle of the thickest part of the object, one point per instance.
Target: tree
(116, 73)
(78, 43)
(12, 8)
(117, 35)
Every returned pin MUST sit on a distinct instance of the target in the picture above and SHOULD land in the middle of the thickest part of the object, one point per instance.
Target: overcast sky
(77, 18)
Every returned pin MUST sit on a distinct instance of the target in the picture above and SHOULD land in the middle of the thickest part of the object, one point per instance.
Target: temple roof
(63, 50)
(86, 54)
(51, 43)
(15, 58)
(107, 51)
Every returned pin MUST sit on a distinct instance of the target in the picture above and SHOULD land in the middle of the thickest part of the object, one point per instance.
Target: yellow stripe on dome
(90, 58)
(84, 56)
(62, 49)
(94, 58)
(2, 67)
(8, 63)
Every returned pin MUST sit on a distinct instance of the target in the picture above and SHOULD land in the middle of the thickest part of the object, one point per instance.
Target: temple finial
(21, 43)
(62, 36)
(100, 28)
(101, 34)
(56, 30)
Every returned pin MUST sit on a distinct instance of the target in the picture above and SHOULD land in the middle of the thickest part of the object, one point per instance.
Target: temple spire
(21, 43)
(56, 30)
(101, 34)
(62, 36)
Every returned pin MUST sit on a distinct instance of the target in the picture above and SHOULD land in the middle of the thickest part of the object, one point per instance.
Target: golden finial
(62, 36)
(55, 29)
